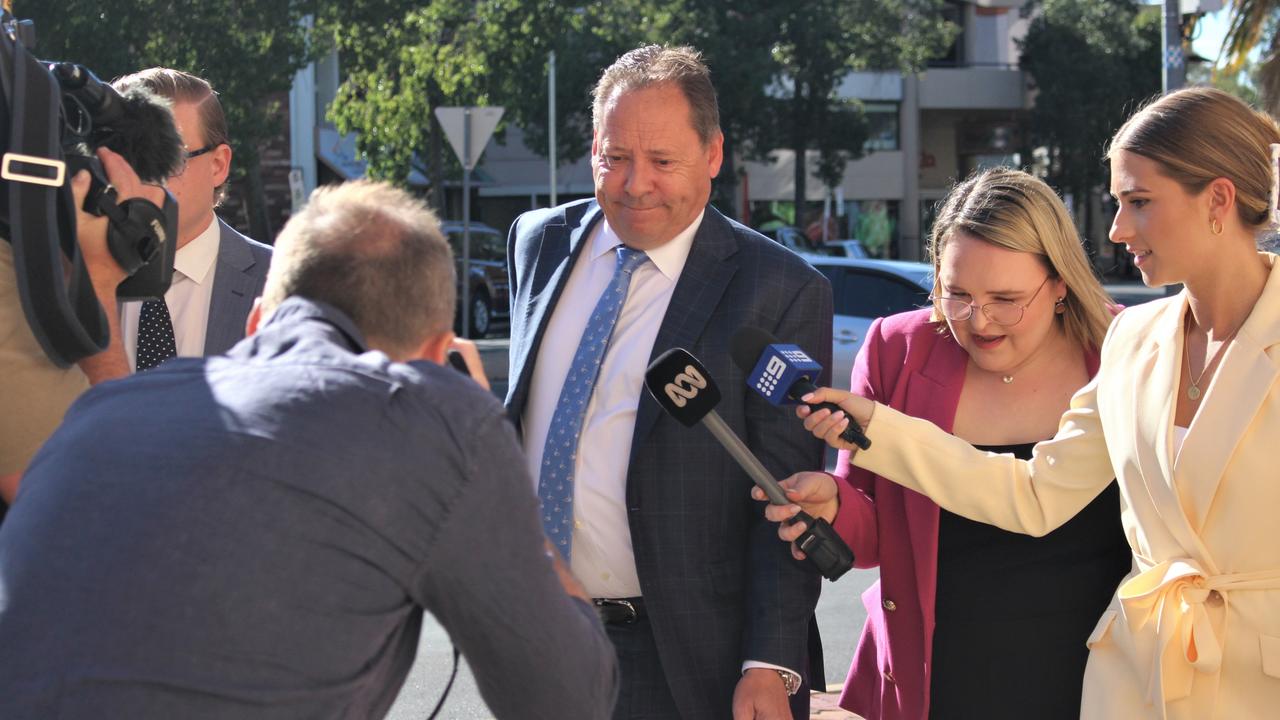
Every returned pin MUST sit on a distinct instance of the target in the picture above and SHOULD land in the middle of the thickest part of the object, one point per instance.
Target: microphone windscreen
(747, 345)
(145, 135)
(682, 386)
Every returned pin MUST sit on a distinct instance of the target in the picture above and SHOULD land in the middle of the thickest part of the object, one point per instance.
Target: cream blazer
(1194, 631)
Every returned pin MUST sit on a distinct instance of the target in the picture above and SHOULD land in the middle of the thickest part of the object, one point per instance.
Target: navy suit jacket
(238, 278)
(719, 586)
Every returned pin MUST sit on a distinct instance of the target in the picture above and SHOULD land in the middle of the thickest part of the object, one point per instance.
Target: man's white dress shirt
(602, 556)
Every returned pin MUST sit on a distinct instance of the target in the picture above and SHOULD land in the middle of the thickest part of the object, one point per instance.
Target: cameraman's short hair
(177, 86)
(374, 252)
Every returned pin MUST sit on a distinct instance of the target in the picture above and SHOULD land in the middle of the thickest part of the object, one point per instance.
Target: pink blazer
(906, 364)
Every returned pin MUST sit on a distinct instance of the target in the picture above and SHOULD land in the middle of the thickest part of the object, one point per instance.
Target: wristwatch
(790, 681)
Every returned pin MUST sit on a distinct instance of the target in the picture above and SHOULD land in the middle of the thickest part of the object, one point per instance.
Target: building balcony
(973, 87)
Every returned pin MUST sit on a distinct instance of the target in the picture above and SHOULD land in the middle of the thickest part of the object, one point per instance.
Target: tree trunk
(799, 143)
(259, 220)
(725, 194)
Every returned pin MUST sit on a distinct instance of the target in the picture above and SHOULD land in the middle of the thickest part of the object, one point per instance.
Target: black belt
(619, 611)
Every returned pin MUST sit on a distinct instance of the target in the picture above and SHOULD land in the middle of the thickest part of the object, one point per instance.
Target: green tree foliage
(248, 49)
(1092, 63)
(821, 41)
(404, 58)
(1252, 27)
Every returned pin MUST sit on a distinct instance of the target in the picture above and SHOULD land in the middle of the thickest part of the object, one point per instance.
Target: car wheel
(481, 315)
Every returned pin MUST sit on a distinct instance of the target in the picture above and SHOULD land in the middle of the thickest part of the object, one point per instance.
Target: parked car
(864, 290)
(794, 239)
(845, 248)
(489, 282)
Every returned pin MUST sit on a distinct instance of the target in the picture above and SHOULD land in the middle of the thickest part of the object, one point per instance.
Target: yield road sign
(454, 121)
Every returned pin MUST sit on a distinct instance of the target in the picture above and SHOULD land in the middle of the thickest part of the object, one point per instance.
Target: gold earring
(1215, 227)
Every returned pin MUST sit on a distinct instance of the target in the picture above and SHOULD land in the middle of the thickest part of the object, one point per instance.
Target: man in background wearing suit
(218, 271)
(705, 612)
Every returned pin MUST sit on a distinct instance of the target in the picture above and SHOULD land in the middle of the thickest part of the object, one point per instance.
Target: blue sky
(1211, 30)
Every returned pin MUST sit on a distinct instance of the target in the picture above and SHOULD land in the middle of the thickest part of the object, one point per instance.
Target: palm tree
(1249, 22)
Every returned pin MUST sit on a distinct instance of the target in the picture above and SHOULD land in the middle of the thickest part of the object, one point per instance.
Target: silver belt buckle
(631, 608)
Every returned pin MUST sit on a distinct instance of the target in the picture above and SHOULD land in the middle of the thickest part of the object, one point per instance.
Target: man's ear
(434, 348)
(221, 166)
(254, 319)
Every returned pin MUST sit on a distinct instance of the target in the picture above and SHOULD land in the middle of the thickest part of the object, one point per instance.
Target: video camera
(53, 116)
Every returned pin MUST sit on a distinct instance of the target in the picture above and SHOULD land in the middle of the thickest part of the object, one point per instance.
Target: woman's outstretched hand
(827, 425)
(813, 492)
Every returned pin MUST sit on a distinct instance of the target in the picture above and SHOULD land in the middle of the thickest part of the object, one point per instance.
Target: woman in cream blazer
(1184, 412)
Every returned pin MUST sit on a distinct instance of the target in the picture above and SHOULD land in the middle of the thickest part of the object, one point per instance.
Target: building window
(953, 11)
(882, 126)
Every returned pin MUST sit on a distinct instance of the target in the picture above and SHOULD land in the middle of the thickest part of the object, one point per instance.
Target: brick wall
(274, 154)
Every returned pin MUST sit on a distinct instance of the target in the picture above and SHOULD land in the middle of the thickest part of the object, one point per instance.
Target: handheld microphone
(783, 374)
(686, 392)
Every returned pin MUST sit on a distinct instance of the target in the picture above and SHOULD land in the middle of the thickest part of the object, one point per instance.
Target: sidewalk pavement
(822, 706)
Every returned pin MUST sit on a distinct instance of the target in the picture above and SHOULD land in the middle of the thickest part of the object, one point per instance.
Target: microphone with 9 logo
(783, 374)
(686, 392)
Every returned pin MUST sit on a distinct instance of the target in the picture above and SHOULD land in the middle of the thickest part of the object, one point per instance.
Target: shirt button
(889, 605)
(577, 524)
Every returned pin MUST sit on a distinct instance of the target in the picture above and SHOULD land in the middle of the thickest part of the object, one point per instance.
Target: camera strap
(53, 283)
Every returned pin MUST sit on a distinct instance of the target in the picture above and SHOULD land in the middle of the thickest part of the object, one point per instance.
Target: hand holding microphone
(810, 493)
(830, 413)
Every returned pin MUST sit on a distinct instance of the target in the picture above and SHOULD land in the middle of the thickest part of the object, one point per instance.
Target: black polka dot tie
(155, 335)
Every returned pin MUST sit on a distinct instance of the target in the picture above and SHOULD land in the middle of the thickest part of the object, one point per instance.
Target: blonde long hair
(1016, 211)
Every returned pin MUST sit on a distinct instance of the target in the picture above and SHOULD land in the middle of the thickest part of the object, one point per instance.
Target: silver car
(863, 290)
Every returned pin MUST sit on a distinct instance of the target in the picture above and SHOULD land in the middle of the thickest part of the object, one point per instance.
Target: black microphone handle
(852, 434)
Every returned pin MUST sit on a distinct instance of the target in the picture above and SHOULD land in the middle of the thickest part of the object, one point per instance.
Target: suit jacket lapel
(232, 295)
(1155, 376)
(1239, 388)
(932, 393)
(706, 274)
(558, 249)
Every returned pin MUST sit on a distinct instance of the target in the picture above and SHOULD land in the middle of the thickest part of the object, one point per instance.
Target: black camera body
(142, 237)
(53, 116)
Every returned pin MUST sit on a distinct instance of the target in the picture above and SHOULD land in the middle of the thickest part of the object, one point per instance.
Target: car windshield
(485, 245)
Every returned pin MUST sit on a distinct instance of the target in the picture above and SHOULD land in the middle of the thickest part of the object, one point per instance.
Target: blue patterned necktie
(555, 480)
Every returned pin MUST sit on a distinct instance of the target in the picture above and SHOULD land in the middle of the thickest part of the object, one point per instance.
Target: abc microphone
(686, 392)
(783, 374)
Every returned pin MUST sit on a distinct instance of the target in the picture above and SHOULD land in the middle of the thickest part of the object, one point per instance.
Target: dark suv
(489, 300)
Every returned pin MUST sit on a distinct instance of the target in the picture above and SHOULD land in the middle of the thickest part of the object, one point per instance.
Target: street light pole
(1173, 64)
(551, 122)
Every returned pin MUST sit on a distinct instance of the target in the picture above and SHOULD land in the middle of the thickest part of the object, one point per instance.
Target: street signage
(483, 121)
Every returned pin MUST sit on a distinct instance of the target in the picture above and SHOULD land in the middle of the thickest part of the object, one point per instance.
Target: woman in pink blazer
(968, 620)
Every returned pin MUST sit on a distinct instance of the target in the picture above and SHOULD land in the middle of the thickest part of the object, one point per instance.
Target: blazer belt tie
(1172, 595)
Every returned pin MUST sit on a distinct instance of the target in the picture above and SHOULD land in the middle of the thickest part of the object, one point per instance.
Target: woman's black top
(1014, 611)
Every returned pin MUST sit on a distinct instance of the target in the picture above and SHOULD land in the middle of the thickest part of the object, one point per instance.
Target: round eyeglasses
(1001, 312)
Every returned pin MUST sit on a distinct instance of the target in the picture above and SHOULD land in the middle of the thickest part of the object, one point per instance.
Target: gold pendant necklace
(1193, 384)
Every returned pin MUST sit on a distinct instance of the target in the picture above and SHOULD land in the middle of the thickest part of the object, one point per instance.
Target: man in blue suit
(706, 613)
(218, 271)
